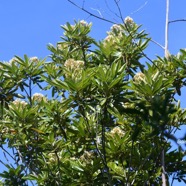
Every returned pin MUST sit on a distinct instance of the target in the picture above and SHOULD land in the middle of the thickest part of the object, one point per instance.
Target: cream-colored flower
(34, 59)
(73, 64)
(118, 131)
(69, 63)
(128, 20)
(38, 97)
(109, 38)
(59, 46)
(19, 103)
(116, 27)
(75, 68)
(139, 77)
(84, 23)
(62, 46)
(79, 64)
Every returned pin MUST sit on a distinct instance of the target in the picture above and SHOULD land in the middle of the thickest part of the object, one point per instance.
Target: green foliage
(108, 118)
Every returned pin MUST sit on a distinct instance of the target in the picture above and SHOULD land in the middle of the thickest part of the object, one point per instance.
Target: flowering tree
(108, 119)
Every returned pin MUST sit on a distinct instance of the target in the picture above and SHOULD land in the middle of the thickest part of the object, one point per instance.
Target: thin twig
(111, 9)
(4, 150)
(177, 20)
(3, 163)
(98, 12)
(21, 157)
(141, 7)
(83, 3)
(7, 159)
(93, 15)
(155, 42)
(172, 180)
(119, 9)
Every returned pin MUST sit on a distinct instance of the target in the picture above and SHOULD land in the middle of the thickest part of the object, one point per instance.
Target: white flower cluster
(20, 103)
(140, 77)
(128, 20)
(109, 38)
(38, 97)
(116, 27)
(62, 46)
(116, 33)
(113, 36)
(34, 59)
(72, 64)
(118, 131)
(84, 23)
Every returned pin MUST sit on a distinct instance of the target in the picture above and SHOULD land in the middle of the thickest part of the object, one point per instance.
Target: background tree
(103, 124)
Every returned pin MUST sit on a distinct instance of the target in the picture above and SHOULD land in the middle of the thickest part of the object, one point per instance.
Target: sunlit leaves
(106, 117)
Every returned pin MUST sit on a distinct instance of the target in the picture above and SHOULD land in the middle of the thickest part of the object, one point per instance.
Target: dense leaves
(107, 117)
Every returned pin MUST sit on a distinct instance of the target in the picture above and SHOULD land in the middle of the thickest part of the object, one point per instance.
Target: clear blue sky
(26, 27)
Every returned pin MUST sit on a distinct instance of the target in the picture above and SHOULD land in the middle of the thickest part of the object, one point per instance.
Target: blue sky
(28, 26)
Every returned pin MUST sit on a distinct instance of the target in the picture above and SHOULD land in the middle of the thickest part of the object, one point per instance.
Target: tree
(109, 117)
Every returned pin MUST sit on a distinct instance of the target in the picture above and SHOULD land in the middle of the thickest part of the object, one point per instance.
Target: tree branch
(141, 7)
(93, 15)
(177, 20)
(155, 42)
(163, 168)
(166, 29)
(119, 9)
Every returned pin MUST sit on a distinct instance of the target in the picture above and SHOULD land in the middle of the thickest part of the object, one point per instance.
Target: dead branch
(91, 14)
(177, 20)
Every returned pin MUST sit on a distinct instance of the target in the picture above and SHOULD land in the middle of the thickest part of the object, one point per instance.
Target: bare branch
(83, 3)
(155, 42)
(141, 7)
(5, 151)
(119, 9)
(98, 12)
(166, 55)
(3, 163)
(163, 168)
(81, 8)
(167, 29)
(111, 9)
(177, 20)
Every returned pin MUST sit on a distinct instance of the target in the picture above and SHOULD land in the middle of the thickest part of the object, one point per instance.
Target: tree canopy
(105, 117)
